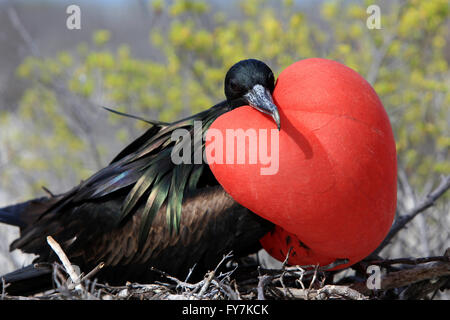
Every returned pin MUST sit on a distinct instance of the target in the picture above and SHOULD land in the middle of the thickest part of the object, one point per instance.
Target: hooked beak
(261, 99)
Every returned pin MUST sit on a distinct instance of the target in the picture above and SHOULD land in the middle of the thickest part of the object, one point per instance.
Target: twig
(283, 267)
(17, 24)
(57, 277)
(210, 275)
(334, 264)
(326, 292)
(93, 285)
(411, 261)
(208, 278)
(408, 276)
(190, 272)
(264, 280)
(420, 290)
(271, 275)
(225, 257)
(179, 282)
(402, 220)
(93, 271)
(286, 259)
(4, 286)
(225, 288)
(313, 278)
(65, 261)
(342, 291)
(405, 277)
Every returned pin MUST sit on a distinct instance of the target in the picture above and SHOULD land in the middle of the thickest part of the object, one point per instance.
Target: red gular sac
(333, 195)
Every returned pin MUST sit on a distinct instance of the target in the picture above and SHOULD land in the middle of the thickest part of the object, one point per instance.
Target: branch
(93, 271)
(209, 276)
(408, 276)
(263, 281)
(65, 261)
(426, 203)
(328, 291)
(381, 53)
(17, 24)
(75, 120)
(378, 59)
(409, 261)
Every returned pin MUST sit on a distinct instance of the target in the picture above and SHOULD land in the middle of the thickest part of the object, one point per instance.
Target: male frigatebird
(144, 211)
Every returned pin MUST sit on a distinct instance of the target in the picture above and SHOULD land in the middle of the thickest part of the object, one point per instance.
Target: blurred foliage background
(172, 62)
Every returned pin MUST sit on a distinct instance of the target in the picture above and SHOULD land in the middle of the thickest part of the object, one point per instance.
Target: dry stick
(236, 290)
(402, 220)
(408, 276)
(422, 289)
(65, 261)
(299, 268)
(283, 267)
(441, 283)
(226, 289)
(334, 264)
(4, 286)
(190, 272)
(93, 271)
(58, 279)
(204, 284)
(405, 277)
(326, 292)
(413, 261)
(210, 276)
(313, 278)
(300, 278)
(225, 257)
(178, 282)
(342, 291)
(264, 280)
(17, 24)
(440, 269)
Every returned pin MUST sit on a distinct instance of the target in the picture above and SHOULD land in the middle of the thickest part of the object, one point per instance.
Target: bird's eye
(270, 78)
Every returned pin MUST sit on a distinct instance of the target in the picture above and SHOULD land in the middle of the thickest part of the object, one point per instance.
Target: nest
(370, 279)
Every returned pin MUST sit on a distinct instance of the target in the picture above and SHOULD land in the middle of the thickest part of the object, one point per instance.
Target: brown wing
(212, 224)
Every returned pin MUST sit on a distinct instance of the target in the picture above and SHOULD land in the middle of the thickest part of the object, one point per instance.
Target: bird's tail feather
(10, 218)
(27, 280)
(26, 213)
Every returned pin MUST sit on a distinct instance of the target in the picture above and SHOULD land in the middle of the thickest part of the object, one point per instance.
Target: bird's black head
(252, 82)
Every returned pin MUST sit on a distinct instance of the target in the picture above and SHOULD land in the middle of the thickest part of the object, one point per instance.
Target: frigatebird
(143, 210)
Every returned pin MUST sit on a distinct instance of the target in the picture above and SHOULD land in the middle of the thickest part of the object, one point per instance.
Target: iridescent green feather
(162, 181)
